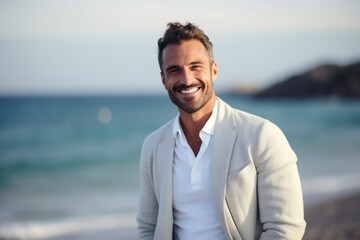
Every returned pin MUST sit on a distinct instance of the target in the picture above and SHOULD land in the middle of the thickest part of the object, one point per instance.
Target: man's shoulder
(249, 118)
(250, 126)
(245, 123)
(240, 116)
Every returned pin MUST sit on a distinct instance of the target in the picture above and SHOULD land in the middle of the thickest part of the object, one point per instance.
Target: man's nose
(187, 77)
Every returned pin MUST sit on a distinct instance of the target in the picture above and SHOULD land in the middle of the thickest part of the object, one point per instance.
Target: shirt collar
(208, 128)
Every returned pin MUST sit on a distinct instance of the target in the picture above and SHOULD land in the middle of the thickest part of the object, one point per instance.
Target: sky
(82, 47)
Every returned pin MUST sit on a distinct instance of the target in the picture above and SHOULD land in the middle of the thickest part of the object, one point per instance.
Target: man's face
(188, 75)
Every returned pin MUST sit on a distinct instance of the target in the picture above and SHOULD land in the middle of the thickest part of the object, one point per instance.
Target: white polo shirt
(194, 211)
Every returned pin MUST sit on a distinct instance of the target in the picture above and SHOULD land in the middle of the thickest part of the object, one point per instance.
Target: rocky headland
(328, 80)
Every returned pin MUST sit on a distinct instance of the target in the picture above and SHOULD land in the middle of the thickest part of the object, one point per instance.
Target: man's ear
(163, 79)
(214, 71)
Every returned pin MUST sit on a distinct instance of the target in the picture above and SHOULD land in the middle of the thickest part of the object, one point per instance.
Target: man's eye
(196, 67)
(173, 71)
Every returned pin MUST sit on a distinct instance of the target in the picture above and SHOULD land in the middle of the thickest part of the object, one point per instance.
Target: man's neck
(192, 123)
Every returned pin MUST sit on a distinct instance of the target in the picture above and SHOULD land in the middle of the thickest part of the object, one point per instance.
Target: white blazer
(256, 184)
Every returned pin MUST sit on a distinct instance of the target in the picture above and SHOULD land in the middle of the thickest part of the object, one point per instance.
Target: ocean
(70, 164)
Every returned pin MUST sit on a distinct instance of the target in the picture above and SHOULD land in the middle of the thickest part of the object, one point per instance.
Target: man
(213, 172)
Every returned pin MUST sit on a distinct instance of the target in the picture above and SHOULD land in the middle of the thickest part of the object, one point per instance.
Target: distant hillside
(322, 81)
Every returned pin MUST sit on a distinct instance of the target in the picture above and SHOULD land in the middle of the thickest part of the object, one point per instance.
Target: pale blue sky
(109, 47)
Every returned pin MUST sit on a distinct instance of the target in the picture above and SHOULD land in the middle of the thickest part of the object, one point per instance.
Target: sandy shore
(335, 219)
(338, 218)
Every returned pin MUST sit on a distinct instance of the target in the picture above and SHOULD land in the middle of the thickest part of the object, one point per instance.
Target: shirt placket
(196, 170)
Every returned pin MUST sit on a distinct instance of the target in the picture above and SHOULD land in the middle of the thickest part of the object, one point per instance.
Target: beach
(114, 234)
(337, 218)
(69, 166)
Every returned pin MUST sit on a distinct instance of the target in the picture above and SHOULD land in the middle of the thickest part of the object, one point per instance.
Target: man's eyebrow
(196, 63)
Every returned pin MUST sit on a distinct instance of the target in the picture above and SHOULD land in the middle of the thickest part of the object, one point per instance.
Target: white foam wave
(44, 230)
(331, 184)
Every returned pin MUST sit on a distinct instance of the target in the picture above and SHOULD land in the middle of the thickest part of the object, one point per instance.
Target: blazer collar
(224, 140)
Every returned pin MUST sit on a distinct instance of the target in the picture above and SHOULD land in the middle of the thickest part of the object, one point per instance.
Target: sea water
(70, 164)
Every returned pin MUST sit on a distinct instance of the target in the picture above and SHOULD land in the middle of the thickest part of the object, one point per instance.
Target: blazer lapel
(165, 164)
(165, 169)
(224, 139)
(220, 165)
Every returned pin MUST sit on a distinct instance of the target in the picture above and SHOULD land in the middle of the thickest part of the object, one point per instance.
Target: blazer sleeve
(280, 198)
(148, 204)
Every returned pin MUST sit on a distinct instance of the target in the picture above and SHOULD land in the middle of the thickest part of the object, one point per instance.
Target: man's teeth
(189, 90)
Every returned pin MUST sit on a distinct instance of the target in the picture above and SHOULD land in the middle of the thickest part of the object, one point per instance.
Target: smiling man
(213, 172)
(188, 75)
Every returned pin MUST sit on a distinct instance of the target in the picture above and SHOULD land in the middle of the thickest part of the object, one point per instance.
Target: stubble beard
(188, 105)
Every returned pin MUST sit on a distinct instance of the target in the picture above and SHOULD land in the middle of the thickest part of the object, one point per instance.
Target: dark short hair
(176, 33)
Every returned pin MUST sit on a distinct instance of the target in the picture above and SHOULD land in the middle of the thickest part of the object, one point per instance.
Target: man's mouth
(188, 90)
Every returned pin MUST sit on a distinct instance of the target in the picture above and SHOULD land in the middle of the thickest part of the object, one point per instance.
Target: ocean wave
(45, 230)
(330, 184)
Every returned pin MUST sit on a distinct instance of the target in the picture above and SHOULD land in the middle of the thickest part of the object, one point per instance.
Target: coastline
(336, 218)
(124, 233)
(331, 212)
(328, 216)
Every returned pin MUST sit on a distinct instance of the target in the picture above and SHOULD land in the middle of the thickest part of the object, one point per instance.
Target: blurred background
(80, 90)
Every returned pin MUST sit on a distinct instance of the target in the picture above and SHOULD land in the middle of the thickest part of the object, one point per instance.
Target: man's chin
(189, 103)
(190, 106)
